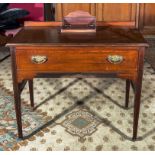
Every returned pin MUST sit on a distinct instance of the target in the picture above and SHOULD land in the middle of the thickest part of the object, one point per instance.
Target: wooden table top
(104, 36)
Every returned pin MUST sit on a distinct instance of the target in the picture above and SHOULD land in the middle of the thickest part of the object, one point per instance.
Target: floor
(78, 113)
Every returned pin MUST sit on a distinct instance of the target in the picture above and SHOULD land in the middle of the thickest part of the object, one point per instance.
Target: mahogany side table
(40, 50)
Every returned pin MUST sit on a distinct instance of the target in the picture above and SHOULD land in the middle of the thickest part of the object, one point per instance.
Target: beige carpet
(88, 114)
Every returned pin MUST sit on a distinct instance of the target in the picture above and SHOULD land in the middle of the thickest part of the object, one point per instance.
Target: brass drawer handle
(115, 59)
(38, 59)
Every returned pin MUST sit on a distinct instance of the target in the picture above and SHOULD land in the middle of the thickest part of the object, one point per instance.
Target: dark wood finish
(22, 85)
(138, 83)
(77, 53)
(30, 82)
(48, 12)
(17, 93)
(127, 93)
(105, 36)
(3, 40)
(133, 85)
(18, 88)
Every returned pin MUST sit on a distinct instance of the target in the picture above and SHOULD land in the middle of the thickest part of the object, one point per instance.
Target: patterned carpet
(8, 132)
(77, 114)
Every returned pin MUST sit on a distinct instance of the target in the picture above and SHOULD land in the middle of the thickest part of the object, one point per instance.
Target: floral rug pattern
(77, 114)
(8, 127)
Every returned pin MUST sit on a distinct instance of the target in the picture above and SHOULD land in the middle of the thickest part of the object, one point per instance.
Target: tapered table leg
(127, 93)
(138, 87)
(18, 109)
(30, 82)
(136, 108)
(17, 93)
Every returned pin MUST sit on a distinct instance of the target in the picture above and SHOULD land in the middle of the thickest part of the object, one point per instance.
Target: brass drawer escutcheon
(115, 59)
(38, 59)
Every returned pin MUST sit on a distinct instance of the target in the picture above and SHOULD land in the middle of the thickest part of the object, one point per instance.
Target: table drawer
(76, 59)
